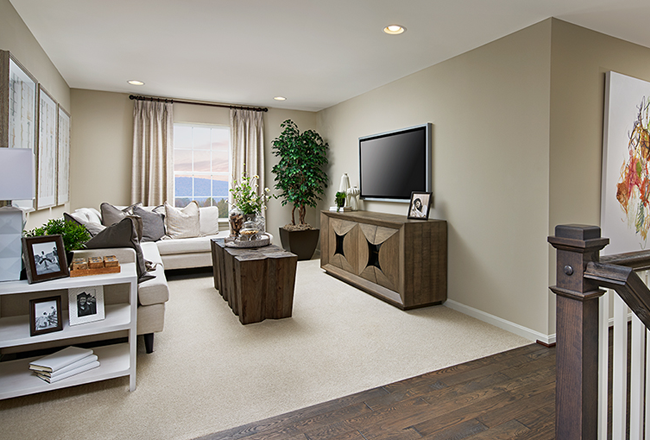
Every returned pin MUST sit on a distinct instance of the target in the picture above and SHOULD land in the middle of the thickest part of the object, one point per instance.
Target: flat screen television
(395, 163)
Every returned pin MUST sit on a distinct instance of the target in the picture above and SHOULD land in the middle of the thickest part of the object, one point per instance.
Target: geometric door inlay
(373, 255)
(339, 244)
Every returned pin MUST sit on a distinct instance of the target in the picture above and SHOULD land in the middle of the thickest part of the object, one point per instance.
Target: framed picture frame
(18, 110)
(44, 258)
(86, 304)
(45, 315)
(419, 206)
(63, 158)
(46, 168)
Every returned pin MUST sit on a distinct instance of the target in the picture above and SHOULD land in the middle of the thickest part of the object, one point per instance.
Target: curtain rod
(209, 104)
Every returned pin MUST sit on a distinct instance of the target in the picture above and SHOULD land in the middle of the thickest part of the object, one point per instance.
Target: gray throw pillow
(122, 234)
(153, 224)
(112, 214)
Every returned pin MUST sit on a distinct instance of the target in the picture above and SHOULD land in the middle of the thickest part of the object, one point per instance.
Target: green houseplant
(74, 235)
(300, 177)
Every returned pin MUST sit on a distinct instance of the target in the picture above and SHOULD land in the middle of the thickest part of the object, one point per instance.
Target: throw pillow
(112, 214)
(209, 220)
(182, 222)
(153, 224)
(92, 227)
(122, 234)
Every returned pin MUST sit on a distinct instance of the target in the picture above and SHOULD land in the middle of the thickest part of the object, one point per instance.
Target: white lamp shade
(17, 175)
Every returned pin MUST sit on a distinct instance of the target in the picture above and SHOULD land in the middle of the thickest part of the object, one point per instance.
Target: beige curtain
(153, 142)
(247, 143)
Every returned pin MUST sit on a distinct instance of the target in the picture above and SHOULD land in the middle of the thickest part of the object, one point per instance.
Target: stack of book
(64, 363)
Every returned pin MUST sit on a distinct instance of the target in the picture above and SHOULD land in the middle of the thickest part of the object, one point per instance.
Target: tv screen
(393, 164)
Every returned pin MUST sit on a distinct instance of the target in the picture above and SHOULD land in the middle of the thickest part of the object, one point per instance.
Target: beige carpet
(210, 373)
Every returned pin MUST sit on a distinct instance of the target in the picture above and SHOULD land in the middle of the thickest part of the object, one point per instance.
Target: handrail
(626, 283)
(639, 260)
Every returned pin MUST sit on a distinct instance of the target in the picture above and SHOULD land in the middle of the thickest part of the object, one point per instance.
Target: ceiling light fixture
(280, 98)
(394, 29)
(135, 82)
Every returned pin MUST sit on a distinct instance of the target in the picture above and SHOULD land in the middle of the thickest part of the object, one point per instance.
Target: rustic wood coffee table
(257, 283)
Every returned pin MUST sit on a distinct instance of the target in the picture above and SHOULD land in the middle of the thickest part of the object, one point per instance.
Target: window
(202, 165)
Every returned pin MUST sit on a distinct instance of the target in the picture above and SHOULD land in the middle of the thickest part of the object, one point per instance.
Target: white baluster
(619, 366)
(603, 364)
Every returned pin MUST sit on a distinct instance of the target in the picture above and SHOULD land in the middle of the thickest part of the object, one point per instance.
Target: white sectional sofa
(185, 243)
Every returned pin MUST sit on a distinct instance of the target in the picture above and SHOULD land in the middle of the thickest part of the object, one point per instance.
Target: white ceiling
(315, 53)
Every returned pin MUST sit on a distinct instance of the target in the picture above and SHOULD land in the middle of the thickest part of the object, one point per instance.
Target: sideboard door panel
(342, 245)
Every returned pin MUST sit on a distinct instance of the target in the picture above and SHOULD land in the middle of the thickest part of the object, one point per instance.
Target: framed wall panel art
(625, 198)
(63, 158)
(18, 109)
(46, 157)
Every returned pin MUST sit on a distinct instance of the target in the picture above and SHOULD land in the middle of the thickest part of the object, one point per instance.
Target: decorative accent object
(82, 267)
(16, 182)
(260, 240)
(44, 258)
(625, 207)
(344, 187)
(353, 198)
(45, 315)
(86, 304)
(420, 205)
(63, 158)
(340, 200)
(300, 177)
(248, 204)
(47, 139)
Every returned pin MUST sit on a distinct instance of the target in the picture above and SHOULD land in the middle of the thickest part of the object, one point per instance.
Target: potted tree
(301, 179)
(74, 235)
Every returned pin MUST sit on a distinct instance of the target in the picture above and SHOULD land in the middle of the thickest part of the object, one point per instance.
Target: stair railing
(582, 344)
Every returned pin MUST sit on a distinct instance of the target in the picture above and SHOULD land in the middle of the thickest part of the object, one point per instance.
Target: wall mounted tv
(395, 163)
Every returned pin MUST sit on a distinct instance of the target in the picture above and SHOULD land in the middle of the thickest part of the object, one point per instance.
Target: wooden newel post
(576, 392)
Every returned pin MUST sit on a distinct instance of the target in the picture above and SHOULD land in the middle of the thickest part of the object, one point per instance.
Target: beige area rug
(210, 373)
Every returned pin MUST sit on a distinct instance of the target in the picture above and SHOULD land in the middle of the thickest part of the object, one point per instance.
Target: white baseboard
(503, 324)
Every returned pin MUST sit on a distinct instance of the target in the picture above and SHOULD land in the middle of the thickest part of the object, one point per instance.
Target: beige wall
(490, 114)
(580, 59)
(17, 39)
(102, 137)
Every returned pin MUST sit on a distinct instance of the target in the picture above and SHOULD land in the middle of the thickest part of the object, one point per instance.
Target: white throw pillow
(209, 219)
(182, 222)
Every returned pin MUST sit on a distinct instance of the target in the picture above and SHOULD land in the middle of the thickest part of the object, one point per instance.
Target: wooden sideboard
(401, 261)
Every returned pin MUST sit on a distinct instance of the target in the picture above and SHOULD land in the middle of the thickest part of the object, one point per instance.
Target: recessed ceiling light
(394, 29)
(280, 98)
(135, 82)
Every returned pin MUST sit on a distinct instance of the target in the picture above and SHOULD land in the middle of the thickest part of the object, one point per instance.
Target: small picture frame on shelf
(419, 206)
(44, 258)
(45, 315)
(86, 304)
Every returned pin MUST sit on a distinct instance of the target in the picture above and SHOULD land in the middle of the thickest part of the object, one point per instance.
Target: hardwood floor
(510, 395)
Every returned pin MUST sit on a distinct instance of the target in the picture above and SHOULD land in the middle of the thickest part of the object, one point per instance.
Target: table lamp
(16, 183)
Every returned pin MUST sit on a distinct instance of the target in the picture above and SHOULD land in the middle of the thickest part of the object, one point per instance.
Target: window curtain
(153, 169)
(247, 143)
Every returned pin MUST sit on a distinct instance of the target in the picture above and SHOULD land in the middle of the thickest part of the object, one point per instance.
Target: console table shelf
(401, 261)
(115, 360)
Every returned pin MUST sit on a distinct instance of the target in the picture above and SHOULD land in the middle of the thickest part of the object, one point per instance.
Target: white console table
(115, 360)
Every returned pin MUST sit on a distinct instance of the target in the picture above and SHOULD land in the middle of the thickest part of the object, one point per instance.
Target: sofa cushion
(182, 222)
(112, 214)
(155, 290)
(153, 223)
(92, 227)
(122, 234)
(209, 220)
(184, 246)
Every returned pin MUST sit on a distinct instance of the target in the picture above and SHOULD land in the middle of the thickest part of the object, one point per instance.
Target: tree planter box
(301, 243)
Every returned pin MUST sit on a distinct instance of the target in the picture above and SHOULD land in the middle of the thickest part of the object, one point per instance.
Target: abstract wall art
(625, 196)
